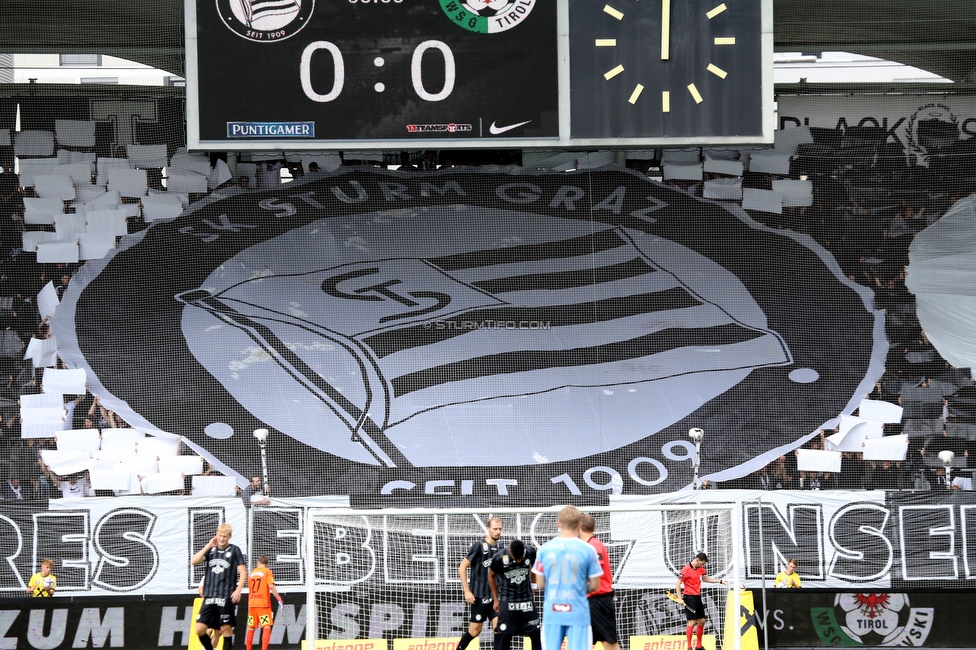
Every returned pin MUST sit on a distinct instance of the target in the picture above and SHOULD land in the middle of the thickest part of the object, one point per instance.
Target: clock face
(666, 68)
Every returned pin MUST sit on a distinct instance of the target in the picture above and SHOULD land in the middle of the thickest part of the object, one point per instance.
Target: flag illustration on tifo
(393, 338)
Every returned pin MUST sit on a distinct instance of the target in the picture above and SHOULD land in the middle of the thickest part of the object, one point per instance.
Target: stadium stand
(865, 213)
(87, 173)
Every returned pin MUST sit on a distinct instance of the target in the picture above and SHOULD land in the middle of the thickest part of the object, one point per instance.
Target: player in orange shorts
(260, 586)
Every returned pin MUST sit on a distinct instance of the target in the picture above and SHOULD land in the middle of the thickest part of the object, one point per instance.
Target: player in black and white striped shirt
(476, 591)
(511, 579)
(222, 586)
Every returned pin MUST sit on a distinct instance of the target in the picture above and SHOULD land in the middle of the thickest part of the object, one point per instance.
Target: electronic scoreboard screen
(314, 74)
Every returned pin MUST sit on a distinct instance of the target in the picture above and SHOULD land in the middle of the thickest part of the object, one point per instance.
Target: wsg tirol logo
(487, 16)
(265, 21)
(873, 620)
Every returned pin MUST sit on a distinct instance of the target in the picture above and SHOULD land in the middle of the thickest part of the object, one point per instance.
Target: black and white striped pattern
(586, 311)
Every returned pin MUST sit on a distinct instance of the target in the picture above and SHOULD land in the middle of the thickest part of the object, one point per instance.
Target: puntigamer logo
(265, 21)
(271, 129)
(488, 16)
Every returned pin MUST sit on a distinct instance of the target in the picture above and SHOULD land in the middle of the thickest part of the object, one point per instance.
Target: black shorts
(517, 619)
(482, 610)
(217, 612)
(694, 603)
(603, 618)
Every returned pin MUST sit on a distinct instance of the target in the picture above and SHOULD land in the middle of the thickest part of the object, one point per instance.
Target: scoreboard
(316, 74)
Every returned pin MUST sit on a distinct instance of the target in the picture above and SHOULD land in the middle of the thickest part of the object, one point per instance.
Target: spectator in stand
(254, 495)
(25, 316)
(115, 421)
(819, 481)
(429, 163)
(80, 412)
(268, 175)
(778, 476)
(762, 479)
(851, 475)
(914, 466)
(97, 415)
(27, 463)
(107, 418)
(902, 477)
(10, 432)
(405, 164)
(12, 490)
(881, 475)
(11, 199)
(73, 486)
(937, 479)
(62, 285)
(816, 444)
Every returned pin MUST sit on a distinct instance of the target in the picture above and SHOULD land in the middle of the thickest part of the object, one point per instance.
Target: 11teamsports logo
(451, 127)
(488, 16)
(265, 21)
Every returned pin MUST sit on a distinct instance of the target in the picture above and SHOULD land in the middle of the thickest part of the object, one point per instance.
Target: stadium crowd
(868, 201)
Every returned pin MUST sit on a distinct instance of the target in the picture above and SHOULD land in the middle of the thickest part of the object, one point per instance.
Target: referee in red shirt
(691, 577)
(603, 615)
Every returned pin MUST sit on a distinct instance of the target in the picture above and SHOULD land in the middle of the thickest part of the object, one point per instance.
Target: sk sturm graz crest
(558, 333)
(265, 21)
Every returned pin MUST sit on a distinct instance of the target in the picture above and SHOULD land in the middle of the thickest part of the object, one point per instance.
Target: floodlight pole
(262, 437)
(696, 436)
(696, 482)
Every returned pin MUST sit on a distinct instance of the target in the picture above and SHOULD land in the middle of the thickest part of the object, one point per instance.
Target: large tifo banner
(474, 333)
(142, 545)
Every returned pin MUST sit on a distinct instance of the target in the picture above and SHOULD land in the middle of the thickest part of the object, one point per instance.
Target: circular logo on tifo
(415, 327)
(488, 16)
(265, 21)
(931, 127)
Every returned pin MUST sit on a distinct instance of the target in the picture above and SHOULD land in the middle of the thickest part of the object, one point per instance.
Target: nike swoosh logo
(495, 130)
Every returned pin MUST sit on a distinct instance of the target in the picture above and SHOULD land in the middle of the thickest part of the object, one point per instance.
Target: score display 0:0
(305, 71)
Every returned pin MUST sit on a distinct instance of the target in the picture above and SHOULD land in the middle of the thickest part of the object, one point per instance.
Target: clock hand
(665, 30)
